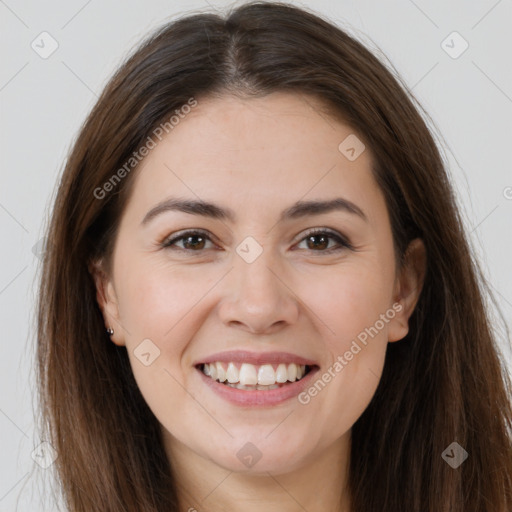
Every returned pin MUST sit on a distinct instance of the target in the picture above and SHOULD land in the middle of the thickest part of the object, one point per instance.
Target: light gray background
(44, 101)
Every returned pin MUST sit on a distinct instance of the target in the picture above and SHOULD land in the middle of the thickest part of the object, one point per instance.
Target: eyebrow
(297, 210)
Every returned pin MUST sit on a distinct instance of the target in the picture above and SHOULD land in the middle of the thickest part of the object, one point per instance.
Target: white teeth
(221, 373)
(266, 375)
(251, 388)
(232, 373)
(248, 375)
(282, 374)
(292, 372)
(254, 377)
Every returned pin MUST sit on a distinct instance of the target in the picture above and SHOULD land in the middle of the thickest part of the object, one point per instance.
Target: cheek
(348, 299)
(155, 297)
(352, 305)
(157, 304)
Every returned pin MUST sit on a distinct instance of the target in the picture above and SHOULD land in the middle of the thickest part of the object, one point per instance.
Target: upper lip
(255, 358)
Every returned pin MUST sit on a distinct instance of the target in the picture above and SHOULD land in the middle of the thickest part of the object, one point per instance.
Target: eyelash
(343, 242)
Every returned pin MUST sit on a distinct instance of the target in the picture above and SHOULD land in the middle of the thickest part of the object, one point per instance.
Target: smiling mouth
(251, 377)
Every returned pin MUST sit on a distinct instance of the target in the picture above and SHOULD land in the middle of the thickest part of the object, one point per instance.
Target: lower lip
(259, 398)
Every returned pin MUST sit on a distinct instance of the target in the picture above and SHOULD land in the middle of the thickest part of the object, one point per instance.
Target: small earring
(110, 331)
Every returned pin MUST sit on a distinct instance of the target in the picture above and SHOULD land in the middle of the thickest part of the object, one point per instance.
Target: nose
(257, 297)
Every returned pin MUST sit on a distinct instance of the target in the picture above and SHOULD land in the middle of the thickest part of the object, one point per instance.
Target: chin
(256, 455)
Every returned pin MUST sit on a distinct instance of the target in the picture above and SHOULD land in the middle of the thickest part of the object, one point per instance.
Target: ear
(408, 286)
(107, 300)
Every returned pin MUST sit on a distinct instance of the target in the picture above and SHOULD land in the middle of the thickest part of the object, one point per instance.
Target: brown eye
(318, 241)
(192, 241)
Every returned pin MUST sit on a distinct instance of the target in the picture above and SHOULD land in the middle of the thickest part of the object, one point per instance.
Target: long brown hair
(443, 383)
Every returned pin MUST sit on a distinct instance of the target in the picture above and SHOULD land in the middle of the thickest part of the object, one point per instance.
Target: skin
(257, 157)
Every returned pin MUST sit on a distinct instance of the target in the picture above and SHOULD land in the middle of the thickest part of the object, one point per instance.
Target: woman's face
(254, 288)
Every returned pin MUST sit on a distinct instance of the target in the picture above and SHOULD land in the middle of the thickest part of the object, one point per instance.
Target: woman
(258, 293)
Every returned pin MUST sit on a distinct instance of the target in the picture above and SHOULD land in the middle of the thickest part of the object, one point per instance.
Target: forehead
(255, 153)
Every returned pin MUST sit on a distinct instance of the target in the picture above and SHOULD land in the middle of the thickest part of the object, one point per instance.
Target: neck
(319, 484)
